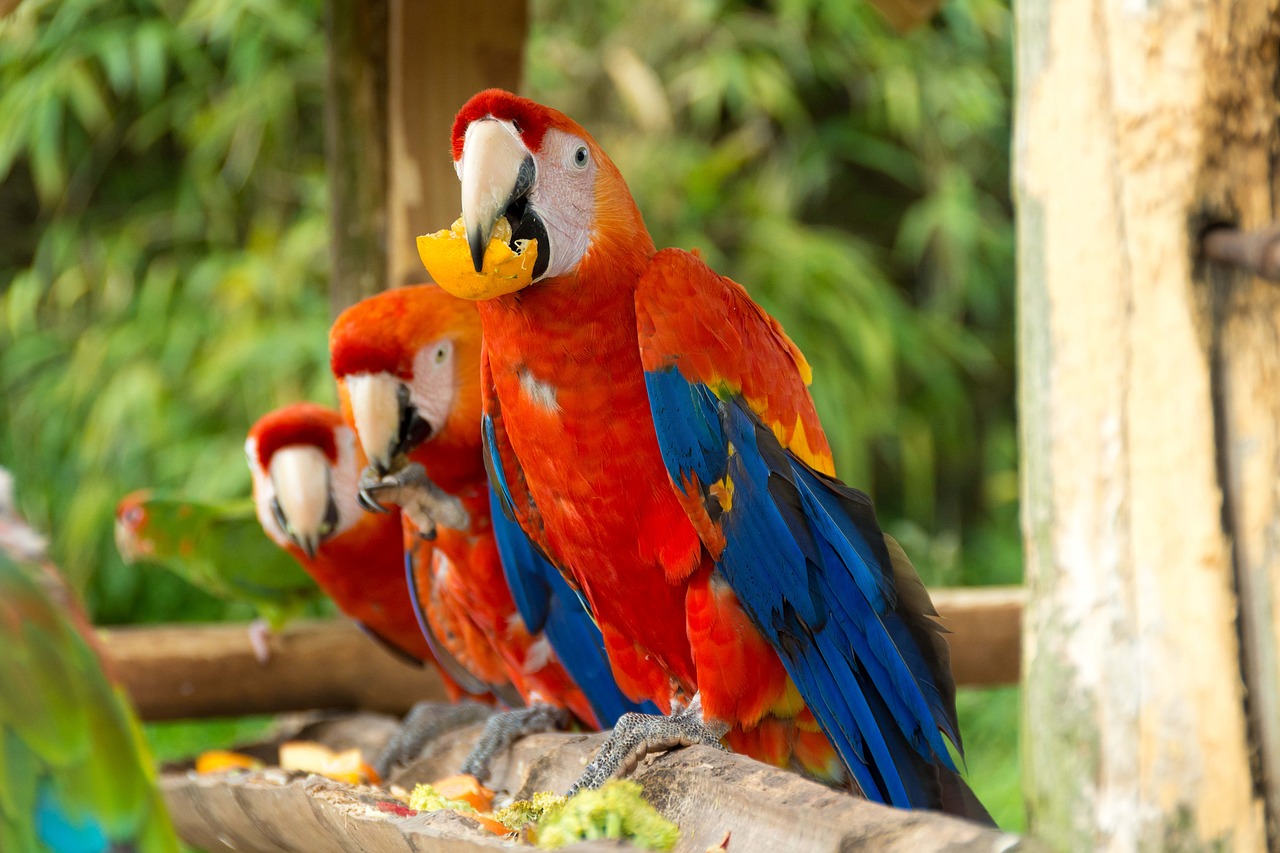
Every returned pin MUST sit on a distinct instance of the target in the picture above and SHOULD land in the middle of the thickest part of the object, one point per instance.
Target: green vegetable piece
(616, 810)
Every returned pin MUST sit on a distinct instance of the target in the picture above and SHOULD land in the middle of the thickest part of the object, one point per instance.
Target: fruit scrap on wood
(219, 760)
(462, 794)
(308, 757)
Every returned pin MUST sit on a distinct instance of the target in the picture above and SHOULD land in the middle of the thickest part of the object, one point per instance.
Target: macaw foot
(259, 637)
(425, 722)
(507, 727)
(419, 498)
(637, 735)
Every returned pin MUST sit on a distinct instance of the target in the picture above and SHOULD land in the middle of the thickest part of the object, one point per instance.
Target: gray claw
(369, 483)
(505, 728)
(637, 735)
(425, 722)
(368, 503)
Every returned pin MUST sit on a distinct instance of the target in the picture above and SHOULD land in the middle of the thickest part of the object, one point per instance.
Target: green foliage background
(163, 264)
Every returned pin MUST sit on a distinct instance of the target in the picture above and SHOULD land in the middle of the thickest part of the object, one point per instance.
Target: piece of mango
(447, 258)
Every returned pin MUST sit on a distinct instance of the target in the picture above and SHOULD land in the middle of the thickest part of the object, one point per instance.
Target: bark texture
(1137, 123)
(709, 794)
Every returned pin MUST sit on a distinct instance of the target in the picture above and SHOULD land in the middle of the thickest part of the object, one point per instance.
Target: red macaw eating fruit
(305, 462)
(650, 427)
(408, 363)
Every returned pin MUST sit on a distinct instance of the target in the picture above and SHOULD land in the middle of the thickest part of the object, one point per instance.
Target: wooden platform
(710, 795)
(185, 671)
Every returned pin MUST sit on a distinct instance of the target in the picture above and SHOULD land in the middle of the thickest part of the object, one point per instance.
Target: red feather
(307, 424)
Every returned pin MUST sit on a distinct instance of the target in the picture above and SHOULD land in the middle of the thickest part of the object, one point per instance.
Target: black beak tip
(477, 245)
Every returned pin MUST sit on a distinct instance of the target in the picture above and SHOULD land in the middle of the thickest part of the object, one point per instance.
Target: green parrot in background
(220, 548)
(75, 773)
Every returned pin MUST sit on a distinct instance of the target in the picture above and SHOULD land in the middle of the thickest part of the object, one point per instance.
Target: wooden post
(1238, 185)
(440, 55)
(1136, 731)
(356, 148)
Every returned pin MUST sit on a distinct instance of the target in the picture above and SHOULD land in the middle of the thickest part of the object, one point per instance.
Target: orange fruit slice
(447, 258)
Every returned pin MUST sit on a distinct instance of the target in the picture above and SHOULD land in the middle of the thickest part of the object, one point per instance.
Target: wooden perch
(184, 671)
(986, 632)
(179, 671)
(707, 793)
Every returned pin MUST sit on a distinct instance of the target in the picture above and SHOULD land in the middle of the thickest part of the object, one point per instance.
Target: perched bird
(650, 428)
(76, 775)
(305, 461)
(408, 362)
(219, 548)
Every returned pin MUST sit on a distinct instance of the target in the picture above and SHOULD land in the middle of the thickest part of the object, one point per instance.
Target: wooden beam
(986, 633)
(440, 55)
(1137, 734)
(178, 671)
(356, 148)
(709, 794)
(181, 671)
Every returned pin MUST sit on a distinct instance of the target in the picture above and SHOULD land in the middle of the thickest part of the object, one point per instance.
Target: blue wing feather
(812, 571)
(547, 603)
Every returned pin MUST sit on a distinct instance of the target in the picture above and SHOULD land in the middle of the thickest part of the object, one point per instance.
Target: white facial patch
(564, 197)
(434, 388)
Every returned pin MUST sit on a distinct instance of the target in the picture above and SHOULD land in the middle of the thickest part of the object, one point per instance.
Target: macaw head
(305, 463)
(407, 363)
(541, 171)
(132, 520)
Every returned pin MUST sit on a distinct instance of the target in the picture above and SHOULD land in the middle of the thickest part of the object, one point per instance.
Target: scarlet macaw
(408, 362)
(305, 461)
(75, 773)
(650, 427)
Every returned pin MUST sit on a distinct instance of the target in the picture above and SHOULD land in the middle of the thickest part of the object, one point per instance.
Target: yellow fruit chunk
(447, 258)
(310, 757)
(217, 760)
(461, 794)
(466, 788)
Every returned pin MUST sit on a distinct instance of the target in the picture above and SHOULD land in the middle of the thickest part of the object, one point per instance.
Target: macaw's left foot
(637, 735)
(425, 722)
(259, 638)
(419, 498)
(507, 727)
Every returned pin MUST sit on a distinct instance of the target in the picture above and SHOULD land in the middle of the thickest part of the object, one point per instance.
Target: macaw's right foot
(425, 722)
(637, 735)
(507, 727)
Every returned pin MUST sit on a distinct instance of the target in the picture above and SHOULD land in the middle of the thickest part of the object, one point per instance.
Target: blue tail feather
(809, 563)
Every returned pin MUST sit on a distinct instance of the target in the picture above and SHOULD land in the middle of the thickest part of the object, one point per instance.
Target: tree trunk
(1149, 414)
(356, 149)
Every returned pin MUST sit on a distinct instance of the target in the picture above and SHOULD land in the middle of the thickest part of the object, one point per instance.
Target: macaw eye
(580, 157)
(442, 352)
(133, 516)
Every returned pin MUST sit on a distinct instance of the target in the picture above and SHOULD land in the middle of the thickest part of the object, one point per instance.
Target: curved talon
(369, 503)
